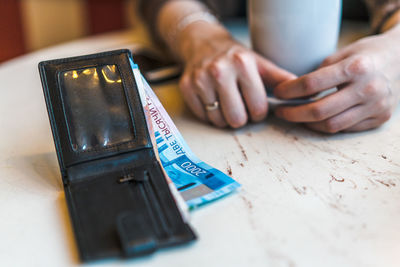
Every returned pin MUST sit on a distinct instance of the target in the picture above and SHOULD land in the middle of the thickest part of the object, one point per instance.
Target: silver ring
(211, 107)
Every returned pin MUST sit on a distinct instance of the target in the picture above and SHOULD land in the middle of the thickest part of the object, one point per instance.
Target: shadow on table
(45, 165)
(297, 130)
(275, 125)
(41, 169)
(68, 230)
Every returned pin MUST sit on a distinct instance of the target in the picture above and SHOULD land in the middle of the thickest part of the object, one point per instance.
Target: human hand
(217, 68)
(367, 75)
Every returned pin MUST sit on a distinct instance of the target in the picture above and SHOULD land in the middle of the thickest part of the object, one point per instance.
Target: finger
(364, 125)
(231, 102)
(369, 123)
(232, 105)
(251, 86)
(337, 56)
(191, 98)
(271, 74)
(322, 109)
(206, 90)
(341, 121)
(318, 81)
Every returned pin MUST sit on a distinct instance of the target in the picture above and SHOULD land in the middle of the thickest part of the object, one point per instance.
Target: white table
(307, 199)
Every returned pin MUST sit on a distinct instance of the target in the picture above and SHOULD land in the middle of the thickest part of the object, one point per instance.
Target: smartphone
(155, 67)
(274, 101)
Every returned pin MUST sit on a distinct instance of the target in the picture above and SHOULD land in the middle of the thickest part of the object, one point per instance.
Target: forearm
(391, 22)
(384, 14)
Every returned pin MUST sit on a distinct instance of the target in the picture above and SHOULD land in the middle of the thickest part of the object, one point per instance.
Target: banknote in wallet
(197, 182)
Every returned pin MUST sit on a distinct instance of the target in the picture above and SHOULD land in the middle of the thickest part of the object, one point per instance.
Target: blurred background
(28, 25)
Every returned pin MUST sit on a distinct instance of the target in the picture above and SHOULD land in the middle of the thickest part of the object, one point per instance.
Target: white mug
(297, 35)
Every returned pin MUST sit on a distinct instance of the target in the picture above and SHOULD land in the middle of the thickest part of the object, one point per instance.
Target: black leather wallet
(118, 197)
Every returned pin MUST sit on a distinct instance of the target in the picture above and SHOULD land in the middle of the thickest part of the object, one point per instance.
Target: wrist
(200, 35)
(182, 24)
(391, 22)
(393, 33)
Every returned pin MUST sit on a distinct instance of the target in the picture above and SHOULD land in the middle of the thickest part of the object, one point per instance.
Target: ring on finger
(211, 107)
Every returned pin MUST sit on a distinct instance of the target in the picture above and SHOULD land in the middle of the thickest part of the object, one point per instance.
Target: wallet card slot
(95, 108)
(158, 225)
(140, 180)
(95, 213)
(154, 202)
(135, 185)
(173, 216)
(138, 221)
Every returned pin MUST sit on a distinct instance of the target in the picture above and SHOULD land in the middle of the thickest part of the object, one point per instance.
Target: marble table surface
(307, 199)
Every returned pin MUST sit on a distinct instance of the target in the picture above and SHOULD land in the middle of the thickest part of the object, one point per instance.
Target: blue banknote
(196, 181)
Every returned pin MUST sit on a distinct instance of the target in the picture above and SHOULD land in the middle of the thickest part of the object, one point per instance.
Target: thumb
(270, 73)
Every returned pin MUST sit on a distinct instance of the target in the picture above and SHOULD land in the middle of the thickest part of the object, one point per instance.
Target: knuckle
(309, 84)
(198, 78)
(184, 82)
(217, 69)
(332, 126)
(241, 58)
(359, 65)
(381, 105)
(371, 89)
(317, 112)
